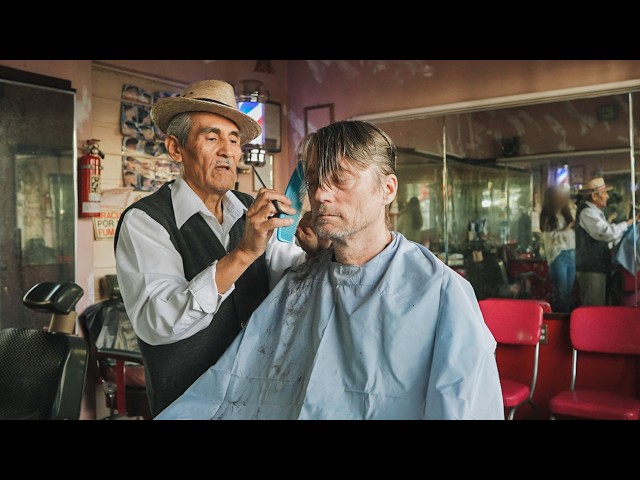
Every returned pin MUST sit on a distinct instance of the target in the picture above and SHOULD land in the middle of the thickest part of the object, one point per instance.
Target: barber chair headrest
(110, 287)
(53, 297)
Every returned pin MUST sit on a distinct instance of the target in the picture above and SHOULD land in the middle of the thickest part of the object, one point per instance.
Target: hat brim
(593, 190)
(166, 108)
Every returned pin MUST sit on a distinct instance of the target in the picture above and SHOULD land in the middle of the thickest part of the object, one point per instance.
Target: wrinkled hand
(308, 239)
(261, 221)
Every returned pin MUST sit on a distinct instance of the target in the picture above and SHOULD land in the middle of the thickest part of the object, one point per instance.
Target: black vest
(170, 369)
(592, 256)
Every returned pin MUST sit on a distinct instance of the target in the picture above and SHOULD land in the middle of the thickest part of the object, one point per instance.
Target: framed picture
(272, 125)
(577, 174)
(317, 117)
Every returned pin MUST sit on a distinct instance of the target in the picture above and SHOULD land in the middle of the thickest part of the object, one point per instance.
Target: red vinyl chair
(611, 330)
(546, 306)
(515, 322)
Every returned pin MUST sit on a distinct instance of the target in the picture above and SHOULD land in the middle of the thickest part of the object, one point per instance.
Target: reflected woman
(558, 232)
(410, 220)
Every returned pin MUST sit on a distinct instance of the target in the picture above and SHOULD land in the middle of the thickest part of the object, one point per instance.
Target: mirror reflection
(501, 165)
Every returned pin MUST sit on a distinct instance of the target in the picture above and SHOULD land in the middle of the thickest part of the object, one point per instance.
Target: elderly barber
(196, 258)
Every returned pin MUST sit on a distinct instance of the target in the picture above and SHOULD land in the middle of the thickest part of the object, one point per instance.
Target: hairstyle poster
(145, 163)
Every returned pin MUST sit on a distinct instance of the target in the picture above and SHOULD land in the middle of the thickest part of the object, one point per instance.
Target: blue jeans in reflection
(563, 277)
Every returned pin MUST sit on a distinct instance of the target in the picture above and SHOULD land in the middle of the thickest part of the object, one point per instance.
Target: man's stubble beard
(333, 233)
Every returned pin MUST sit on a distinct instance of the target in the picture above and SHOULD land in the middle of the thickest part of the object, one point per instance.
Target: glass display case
(38, 207)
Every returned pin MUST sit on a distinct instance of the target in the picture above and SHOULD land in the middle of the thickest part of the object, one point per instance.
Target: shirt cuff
(205, 291)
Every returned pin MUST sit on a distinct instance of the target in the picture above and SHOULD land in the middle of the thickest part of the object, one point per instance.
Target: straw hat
(213, 96)
(594, 185)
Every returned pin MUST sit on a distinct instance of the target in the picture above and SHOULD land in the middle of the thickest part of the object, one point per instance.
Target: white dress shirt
(592, 219)
(558, 240)
(162, 305)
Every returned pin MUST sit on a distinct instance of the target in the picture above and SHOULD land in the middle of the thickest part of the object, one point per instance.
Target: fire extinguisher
(89, 180)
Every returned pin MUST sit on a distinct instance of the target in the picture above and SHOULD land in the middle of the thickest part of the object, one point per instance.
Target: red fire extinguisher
(89, 180)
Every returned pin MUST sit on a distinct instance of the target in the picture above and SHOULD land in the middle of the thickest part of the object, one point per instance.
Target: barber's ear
(389, 189)
(173, 148)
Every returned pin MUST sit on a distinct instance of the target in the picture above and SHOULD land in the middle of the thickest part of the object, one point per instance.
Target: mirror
(418, 210)
(499, 164)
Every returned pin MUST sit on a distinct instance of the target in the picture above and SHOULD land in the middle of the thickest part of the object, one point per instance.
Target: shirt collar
(186, 203)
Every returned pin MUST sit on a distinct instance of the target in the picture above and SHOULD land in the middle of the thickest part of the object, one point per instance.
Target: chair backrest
(110, 286)
(41, 374)
(107, 326)
(515, 322)
(546, 306)
(606, 330)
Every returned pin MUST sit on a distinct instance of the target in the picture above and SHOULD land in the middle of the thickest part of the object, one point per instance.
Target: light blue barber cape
(400, 337)
(625, 253)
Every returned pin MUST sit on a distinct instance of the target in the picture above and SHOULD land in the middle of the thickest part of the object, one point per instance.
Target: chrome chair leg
(534, 408)
(110, 389)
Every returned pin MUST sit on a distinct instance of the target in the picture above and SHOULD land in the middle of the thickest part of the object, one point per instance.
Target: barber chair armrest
(120, 355)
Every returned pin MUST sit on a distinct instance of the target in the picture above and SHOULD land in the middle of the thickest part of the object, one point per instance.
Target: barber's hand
(308, 239)
(261, 221)
(631, 220)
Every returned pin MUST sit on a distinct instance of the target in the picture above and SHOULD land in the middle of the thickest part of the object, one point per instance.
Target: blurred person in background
(593, 234)
(410, 220)
(558, 233)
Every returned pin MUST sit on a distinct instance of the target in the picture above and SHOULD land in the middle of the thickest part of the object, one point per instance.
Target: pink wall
(359, 87)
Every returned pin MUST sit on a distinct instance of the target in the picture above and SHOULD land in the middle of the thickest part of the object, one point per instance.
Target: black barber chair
(115, 354)
(42, 373)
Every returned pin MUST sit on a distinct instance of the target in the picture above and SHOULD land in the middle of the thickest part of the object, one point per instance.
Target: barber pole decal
(255, 110)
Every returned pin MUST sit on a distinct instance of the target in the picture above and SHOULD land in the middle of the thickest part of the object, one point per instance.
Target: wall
(105, 119)
(358, 87)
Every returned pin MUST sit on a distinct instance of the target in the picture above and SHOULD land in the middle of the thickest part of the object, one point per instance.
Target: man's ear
(389, 189)
(173, 148)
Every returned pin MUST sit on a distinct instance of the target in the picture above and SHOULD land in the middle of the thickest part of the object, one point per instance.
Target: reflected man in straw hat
(196, 258)
(593, 234)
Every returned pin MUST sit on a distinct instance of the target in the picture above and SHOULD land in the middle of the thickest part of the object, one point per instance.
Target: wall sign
(112, 204)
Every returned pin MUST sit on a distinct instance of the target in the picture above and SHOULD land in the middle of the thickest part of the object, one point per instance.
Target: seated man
(375, 328)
